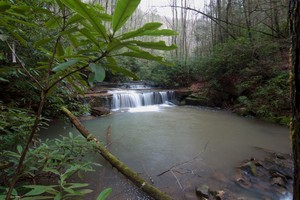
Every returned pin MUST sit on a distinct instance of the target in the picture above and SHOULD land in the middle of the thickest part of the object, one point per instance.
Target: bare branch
(24, 68)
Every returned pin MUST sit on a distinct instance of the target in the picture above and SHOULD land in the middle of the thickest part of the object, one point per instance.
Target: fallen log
(115, 162)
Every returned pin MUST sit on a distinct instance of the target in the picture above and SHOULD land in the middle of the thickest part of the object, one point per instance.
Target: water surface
(205, 145)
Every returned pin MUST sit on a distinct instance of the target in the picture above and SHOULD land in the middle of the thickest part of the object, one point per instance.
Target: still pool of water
(205, 145)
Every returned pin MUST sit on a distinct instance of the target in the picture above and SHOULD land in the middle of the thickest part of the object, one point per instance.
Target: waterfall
(133, 99)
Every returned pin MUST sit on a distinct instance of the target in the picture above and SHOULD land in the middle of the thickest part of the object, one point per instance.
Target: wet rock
(249, 167)
(197, 100)
(243, 183)
(99, 111)
(278, 181)
(270, 177)
(224, 195)
(202, 192)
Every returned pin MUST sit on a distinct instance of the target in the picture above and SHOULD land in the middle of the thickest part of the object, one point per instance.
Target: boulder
(100, 111)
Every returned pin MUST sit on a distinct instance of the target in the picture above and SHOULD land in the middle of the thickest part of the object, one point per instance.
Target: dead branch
(184, 162)
(115, 162)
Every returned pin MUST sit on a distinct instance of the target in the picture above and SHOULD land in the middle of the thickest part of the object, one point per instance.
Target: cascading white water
(133, 99)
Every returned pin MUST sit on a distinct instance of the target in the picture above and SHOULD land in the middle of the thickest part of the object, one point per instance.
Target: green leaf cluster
(58, 159)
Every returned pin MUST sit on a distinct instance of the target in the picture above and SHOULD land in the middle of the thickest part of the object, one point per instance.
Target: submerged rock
(204, 192)
(271, 177)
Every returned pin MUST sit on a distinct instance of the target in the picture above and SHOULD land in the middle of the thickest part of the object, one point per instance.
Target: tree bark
(115, 162)
(294, 17)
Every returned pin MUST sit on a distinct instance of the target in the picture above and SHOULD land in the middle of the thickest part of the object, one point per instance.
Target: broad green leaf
(19, 148)
(38, 189)
(105, 16)
(143, 55)
(53, 22)
(133, 48)
(21, 22)
(37, 197)
(60, 50)
(91, 79)
(60, 4)
(54, 171)
(69, 190)
(41, 11)
(3, 80)
(123, 11)
(69, 51)
(147, 56)
(89, 36)
(88, 13)
(112, 64)
(140, 31)
(84, 191)
(4, 6)
(75, 18)
(163, 32)
(69, 31)
(114, 45)
(21, 9)
(161, 45)
(65, 65)
(98, 70)
(104, 194)
(73, 40)
(58, 196)
(42, 42)
(78, 185)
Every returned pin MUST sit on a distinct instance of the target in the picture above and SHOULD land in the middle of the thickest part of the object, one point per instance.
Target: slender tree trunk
(228, 14)
(26, 148)
(219, 15)
(294, 17)
(276, 17)
(247, 14)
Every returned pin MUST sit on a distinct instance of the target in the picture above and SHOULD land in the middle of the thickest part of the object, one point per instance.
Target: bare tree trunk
(115, 162)
(228, 14)
(247, 14)
(219, 15)
(275, 19)
(294, 17)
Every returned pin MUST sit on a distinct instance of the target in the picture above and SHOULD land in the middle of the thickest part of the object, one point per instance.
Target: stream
(204, 145)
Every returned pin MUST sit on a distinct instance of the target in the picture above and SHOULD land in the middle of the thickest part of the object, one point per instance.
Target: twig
(184, 162)
(108, 130)
(176, 179)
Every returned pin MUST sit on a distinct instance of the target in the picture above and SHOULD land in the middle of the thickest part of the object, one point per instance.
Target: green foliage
(104, 194)
(57, 160)
(59, 46)
(123, 11)
(182, 74)
(249, 76)
(15, 126)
